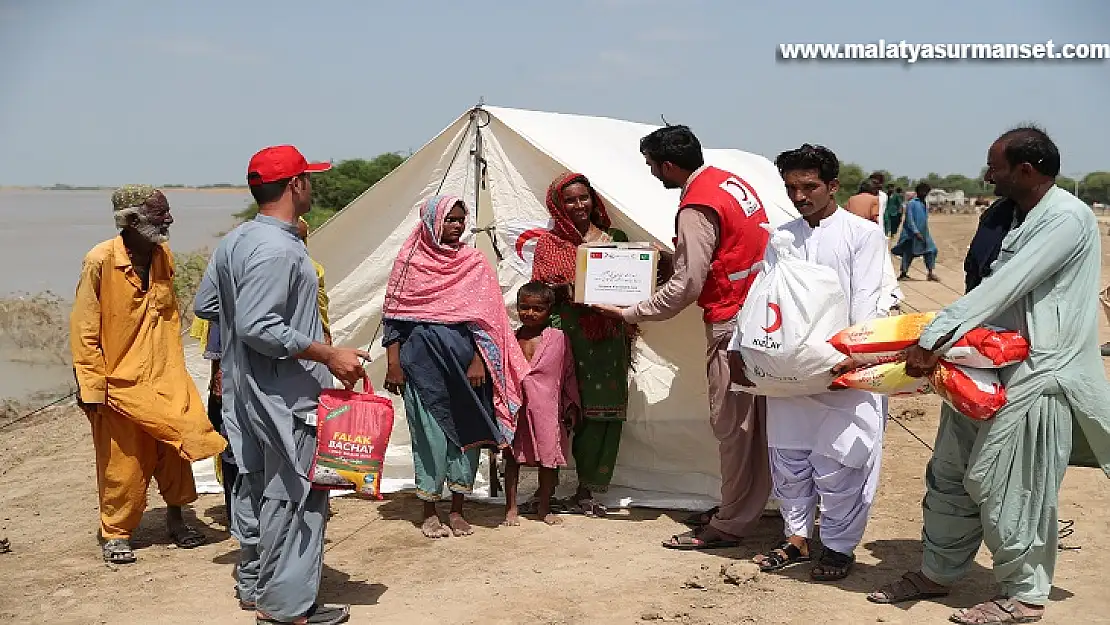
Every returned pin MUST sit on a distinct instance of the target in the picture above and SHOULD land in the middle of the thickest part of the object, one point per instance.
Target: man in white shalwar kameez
(826, 449)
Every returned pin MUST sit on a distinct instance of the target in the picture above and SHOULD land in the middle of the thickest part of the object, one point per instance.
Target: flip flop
(187, 537)
(689, 541)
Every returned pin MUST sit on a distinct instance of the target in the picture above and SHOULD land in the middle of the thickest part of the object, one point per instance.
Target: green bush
(334, 189)
(188, 269)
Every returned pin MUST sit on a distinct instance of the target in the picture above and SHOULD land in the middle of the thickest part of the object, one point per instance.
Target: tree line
(334, 189)
(346, 180)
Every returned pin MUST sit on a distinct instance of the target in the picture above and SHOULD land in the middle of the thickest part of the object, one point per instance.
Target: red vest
(741, 241)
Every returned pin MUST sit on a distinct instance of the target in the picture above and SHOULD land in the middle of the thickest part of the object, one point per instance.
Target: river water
(45, 234)
(44, 237)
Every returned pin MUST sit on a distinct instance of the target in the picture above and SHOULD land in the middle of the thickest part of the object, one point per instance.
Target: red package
(353, 431)
(989, 348)
(976, 393)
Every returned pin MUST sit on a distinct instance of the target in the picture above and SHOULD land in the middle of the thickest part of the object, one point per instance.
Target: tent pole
(479, 166)
(479, 161)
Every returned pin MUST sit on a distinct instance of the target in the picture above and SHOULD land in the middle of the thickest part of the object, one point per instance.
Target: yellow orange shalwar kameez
(150, 420)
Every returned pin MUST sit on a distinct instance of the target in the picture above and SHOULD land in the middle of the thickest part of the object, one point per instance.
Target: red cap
(278, 163)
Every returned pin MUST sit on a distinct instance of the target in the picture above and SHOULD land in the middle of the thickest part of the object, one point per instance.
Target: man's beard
(151, 232)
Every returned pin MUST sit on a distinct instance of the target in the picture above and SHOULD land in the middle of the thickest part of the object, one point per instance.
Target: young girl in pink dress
(551, 403)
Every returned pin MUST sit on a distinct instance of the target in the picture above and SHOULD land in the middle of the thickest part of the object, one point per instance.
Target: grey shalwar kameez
(262, 287)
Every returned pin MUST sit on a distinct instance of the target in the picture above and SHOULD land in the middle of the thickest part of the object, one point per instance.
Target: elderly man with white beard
(147, 418)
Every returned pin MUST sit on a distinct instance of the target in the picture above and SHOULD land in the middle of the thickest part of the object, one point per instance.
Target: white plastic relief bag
(782, 332)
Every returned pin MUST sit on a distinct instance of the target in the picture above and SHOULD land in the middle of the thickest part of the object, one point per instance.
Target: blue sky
(114, 91)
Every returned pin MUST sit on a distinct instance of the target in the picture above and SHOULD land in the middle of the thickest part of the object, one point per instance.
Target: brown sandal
(1001, 610)
(911, 587)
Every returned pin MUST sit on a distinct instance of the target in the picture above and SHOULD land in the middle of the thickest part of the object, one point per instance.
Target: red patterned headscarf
(554, 258)
(554, 261)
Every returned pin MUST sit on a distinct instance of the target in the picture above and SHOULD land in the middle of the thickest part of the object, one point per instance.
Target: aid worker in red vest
(718, 252)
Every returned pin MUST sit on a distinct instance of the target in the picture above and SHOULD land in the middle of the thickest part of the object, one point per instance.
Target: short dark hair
(1030, 144)
(268, 192)
(810, 157)
(676, 144)
(922, 189)
(538, 290)
(867, 186)
(878, 176)
(898, 190)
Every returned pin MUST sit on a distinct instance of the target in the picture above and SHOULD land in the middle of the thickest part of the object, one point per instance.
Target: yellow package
(889, 378)
(881, 340)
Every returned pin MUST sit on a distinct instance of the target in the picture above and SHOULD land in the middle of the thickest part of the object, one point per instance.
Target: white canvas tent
(668, 456)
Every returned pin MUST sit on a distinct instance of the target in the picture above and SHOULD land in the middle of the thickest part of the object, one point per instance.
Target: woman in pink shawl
(453, 356)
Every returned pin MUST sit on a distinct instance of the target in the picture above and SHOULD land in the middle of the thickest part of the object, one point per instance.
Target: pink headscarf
(436, 283)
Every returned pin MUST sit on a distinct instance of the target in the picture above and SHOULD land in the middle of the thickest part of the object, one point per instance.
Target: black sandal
(531, 507)
(786, 554)
(186, 537)
(832, 566)
(699, 519)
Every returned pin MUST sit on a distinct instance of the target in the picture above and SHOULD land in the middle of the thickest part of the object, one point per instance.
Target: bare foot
(459, 526)
(512, 518)
(433, 528)
(552, 519)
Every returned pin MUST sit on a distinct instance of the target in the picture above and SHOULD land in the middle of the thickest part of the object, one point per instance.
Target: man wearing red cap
(261, 287)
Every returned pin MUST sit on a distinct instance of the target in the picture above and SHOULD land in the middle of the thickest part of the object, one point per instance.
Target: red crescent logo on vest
(778, 318)
(744, 194)
(526, 236)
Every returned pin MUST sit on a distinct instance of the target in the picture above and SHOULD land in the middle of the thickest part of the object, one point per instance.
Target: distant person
(452, 355)
(322, 292)
(1104, 298)
(147, 417)
(878, 180)
(865, 203)
(602, 346)
(892, 212)
(997, 482)
(915, 239)
(826, 449)
(262, 289)
(718, 254)
(229, 471)
(551, 403)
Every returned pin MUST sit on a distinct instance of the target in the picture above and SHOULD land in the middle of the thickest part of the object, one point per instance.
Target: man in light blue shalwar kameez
(997, 482)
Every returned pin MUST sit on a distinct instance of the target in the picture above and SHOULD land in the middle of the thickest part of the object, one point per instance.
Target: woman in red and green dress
(602, 347)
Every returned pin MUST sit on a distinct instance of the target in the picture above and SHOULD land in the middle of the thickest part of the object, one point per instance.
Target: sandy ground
(588, 571)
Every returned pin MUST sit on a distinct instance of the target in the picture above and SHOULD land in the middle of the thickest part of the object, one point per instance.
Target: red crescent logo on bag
(774, 327)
